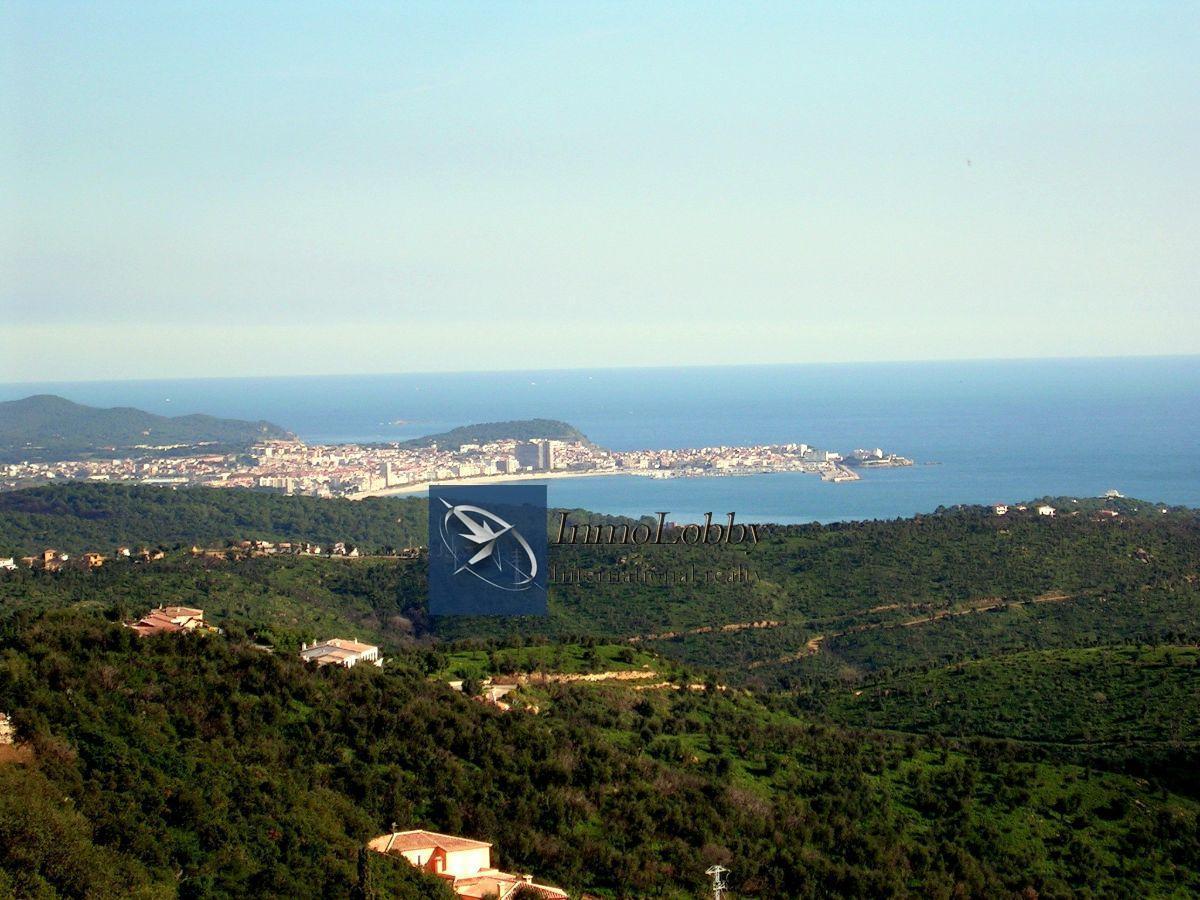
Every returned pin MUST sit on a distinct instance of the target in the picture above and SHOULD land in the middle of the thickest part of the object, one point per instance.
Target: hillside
(199, 766)
(951, 704)
(46, 427)
(520, 429)
(1097, 695)
(847, 601)
(77, 517)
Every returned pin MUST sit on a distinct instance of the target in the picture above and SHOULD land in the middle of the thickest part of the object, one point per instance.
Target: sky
(203, 189)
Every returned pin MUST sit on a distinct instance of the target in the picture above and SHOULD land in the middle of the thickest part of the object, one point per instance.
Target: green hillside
(840, 601)
(78, 517)
(1098, 695)
(47, 427)
(951, 705)
(194, 765)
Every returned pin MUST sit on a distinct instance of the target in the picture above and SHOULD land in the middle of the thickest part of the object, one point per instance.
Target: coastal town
(362, 470)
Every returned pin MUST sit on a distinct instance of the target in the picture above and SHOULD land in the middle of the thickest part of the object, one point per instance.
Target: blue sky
(260, 188)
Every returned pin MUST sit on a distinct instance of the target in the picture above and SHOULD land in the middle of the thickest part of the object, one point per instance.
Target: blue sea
(981, 432)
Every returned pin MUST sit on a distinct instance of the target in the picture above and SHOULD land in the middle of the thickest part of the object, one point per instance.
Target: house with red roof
(168, 619)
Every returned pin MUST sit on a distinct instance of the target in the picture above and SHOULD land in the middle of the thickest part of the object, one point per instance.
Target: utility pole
(719, 886)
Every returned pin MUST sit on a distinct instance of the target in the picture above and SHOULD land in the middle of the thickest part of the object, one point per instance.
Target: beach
(418, 487)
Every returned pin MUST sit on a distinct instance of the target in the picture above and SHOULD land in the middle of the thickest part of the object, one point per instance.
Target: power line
(719, 887)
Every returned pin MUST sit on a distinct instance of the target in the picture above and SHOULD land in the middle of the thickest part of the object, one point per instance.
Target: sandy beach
(421, 486)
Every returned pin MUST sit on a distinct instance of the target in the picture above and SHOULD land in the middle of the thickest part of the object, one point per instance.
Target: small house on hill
(341, 652)
(465, 863)
(91, 560)
(168, 619)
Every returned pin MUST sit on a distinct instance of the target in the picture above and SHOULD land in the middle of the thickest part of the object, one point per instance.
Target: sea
(979, 431)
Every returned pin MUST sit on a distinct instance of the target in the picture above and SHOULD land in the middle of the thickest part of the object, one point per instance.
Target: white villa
(466, 864)
(341, 652)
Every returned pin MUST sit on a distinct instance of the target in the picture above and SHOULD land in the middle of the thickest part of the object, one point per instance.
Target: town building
(91, 560)
(1046, 510)
(48, 560)
(465, 863)
(340, 652)
(536, 455)
(8, 563)
(528, 456)
(167, 619)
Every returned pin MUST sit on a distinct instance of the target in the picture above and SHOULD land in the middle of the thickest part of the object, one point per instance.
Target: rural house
(168, 619)
(340, 652)
(466, 864)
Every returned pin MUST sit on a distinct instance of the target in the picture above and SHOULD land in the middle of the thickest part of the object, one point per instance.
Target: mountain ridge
(47, 426)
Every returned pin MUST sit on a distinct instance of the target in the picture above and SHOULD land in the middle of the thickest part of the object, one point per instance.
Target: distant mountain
(45, 426)
(520, 430)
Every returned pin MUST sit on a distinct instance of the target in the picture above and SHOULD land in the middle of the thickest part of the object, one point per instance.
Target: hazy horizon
(602, 368)
(198, 191)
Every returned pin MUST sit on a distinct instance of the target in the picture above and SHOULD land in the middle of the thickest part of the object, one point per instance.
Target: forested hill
(47, 427)
(199, 766)
(520, 430)
(78, 517)
(959, 704)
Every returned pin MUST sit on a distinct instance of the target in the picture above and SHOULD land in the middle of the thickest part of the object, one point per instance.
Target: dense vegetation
(79, 517)
(844, 601)
(45, 427)
(485, 432)
(198, 765)
(955, 704)
(280, 601)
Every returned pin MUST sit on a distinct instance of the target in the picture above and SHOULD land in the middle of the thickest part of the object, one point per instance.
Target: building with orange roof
(91, 560)
(341, 652)
(167, 619)
(465, 863)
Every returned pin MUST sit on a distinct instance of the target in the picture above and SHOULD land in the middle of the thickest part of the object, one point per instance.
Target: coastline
(401, 490)
(838, 475)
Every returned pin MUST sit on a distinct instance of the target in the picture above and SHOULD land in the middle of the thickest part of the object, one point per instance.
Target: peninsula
(487, 452)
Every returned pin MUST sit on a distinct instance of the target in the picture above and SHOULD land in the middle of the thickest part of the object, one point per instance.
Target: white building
(465, 864)
(1046, 510)
(8, 563)
(341, 652)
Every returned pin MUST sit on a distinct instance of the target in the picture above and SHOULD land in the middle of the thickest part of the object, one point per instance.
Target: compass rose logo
(487, 550)
(485, 545)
